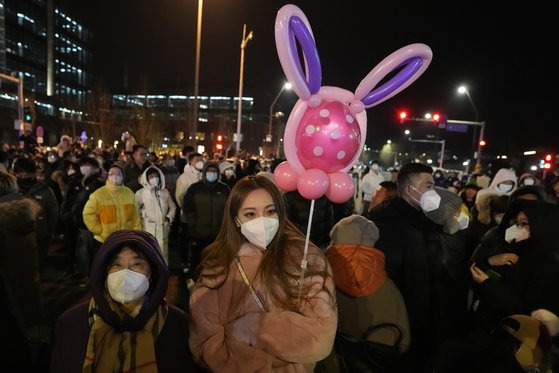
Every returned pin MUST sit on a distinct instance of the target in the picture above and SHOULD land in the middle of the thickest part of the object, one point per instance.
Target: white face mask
(504, 188)
(429, 201)
(229, 173)
(126, 286)
(86, 170)
(154, 181)
(71, 171)
(115, 179)
(199, 165)
(260, 231)
(529, 181)
(211, 176)
(513, 233)
(374, 167)
(463, 220)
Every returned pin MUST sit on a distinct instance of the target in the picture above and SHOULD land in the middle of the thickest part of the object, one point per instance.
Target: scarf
(109, 350)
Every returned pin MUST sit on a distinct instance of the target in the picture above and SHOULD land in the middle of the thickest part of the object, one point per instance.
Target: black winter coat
(298, 211)
(204, 206)
(404, 235)
(89, 185)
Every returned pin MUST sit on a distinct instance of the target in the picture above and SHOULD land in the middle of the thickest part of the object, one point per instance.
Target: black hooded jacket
(532, 282)
(72, 328)
(204, 205)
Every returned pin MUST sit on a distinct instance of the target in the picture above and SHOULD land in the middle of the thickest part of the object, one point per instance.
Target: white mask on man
(260, 231)
(429, 201)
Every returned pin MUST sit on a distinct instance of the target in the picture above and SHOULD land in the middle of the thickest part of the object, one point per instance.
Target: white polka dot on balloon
(318, 151)
(309, 129)
(324, 113)
(335, 134)
(340, 154)
(349, 118)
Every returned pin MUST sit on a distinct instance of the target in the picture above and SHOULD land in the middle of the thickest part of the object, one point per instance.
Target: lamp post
(240, 104)
(194, 128)
(284, 87)
(464, 90)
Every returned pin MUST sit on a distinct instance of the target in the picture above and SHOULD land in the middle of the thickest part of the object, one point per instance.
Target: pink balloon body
(285, 177)
(341, 187)
(328, 137)
(313, 183)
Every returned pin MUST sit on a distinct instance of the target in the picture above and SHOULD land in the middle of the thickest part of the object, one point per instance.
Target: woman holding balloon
(265, 297)
(253, 308)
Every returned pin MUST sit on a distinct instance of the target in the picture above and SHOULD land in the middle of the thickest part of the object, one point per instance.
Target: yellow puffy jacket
(110, 209)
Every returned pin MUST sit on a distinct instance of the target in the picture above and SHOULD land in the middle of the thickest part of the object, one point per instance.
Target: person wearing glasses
(524, 277)
(134, 170)
(111, 208)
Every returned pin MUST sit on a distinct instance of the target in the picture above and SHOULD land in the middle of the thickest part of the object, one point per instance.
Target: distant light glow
(530, 152)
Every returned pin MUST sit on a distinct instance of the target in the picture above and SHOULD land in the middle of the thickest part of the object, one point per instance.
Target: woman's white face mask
(516, 234)
(260, 231)
(127, 286)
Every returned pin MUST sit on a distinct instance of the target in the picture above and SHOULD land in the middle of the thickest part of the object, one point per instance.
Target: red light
(219, 137)
(482, 143)
(436, 117)
(219, 147)
(547, 166)
(548, 157)
(403, 115)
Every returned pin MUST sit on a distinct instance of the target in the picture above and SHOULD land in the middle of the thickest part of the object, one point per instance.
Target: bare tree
(102, 117)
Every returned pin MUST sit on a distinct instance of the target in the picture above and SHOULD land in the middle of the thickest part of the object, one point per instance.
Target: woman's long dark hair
(280, 266)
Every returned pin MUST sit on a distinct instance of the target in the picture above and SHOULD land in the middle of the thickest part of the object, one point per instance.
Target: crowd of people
(457, 272)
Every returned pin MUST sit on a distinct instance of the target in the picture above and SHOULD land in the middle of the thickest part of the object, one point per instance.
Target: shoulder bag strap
(249, 285)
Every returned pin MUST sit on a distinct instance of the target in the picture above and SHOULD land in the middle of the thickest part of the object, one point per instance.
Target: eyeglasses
(115, 174)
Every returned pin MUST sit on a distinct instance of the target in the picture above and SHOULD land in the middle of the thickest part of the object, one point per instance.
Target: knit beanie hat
(449, 206)
(354, 230)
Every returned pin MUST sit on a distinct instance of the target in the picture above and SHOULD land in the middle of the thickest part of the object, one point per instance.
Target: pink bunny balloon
(327, 128)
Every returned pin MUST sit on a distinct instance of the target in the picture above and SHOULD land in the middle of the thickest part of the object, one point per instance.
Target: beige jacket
(249, 340)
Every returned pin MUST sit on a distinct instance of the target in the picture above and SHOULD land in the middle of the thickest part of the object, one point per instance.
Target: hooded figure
(364, 293)
(156, 207)
(504, 183)
(530, 282)
(228, 176)
(137, 332)
(64, 145)
(204, 204)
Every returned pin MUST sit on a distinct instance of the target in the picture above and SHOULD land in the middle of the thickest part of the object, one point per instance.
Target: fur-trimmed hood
(18, 214)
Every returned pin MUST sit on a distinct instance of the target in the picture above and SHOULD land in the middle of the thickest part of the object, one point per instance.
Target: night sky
(503, 55)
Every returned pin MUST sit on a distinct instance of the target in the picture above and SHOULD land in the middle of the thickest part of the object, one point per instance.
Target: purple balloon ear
(298, 30)
(412, 65)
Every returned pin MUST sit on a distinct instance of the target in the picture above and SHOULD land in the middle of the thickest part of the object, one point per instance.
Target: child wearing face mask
(156, 207)
(251, 279)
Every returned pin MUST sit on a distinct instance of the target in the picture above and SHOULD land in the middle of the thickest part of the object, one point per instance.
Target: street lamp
(244, 42)
(284, 87)
(464, 90)
(197, 71)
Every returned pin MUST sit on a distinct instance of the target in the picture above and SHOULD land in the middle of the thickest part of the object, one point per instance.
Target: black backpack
(364, 356)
